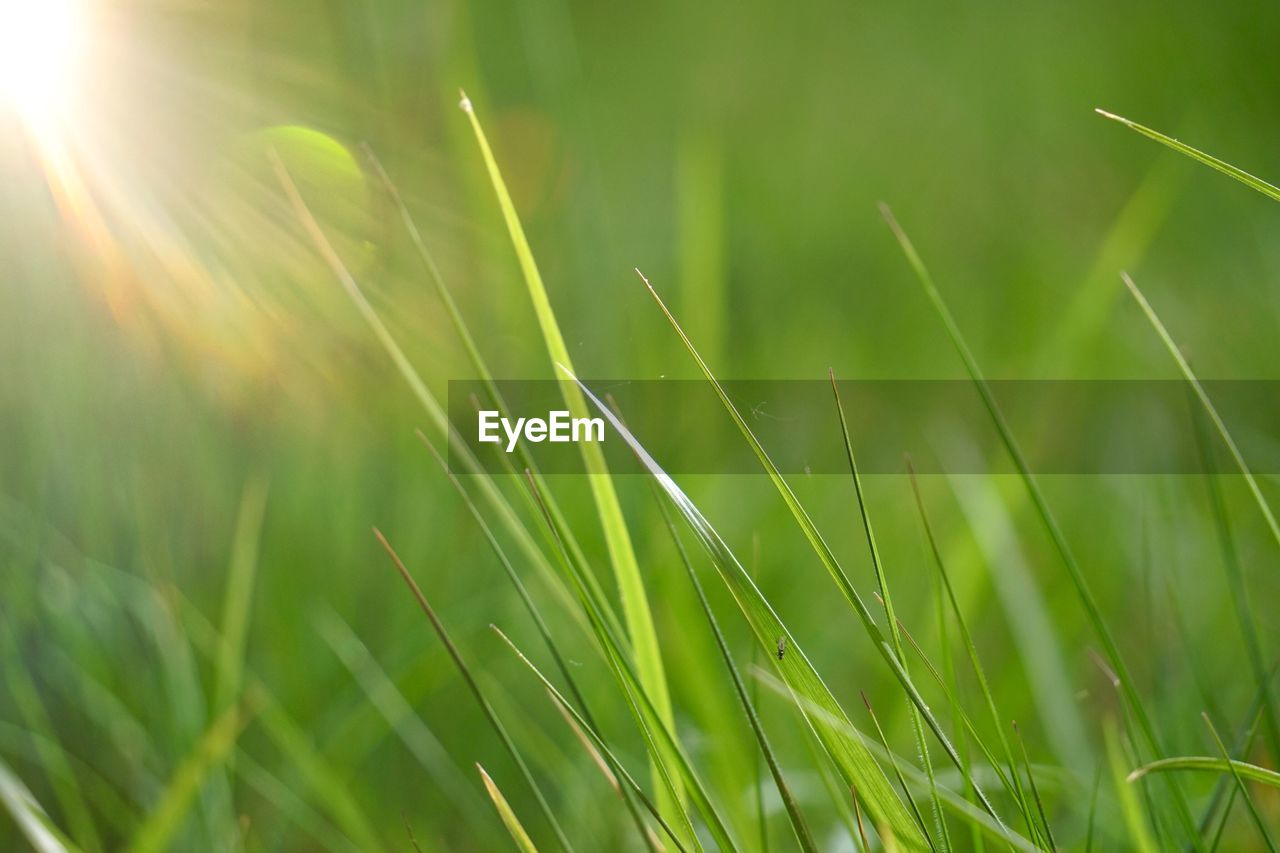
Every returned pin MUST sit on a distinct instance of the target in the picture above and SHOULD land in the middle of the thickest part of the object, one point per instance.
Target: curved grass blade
(635, 601)
(798, 823)
(1251, 181)
(465, 672)
(895, 635)
(518, 835)
(1240, 785)
(843, 744)
(810, 530)
(1083, 590)
(1209, 764)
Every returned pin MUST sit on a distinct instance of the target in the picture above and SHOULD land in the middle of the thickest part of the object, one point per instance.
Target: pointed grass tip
(464, 103)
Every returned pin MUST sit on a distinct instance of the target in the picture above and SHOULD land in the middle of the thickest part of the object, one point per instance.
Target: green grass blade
(238, 596)
(158, 830)
(31, 818)
(1219, 426)
(518, 835)
(846, 749)
(1081, 584)
(1209, 764)
(435, 412)
(803, 835)
(596, 739)
(897, 772)
(1254, 183)
(1035, 790)
(665, 752)
(1134, 819)
(1240, 785)
(635, 601)
(474, 687)
(810, 530)
(895, 635)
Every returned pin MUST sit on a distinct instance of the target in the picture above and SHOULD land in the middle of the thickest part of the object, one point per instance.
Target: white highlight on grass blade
(30, 817)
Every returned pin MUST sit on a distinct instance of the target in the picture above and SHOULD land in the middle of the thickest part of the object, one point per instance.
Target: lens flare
(40, 44)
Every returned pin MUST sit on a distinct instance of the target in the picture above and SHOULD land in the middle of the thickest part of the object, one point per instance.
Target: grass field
(256, 595)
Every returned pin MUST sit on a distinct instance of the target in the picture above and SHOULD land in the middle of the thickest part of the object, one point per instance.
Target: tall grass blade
(635, 601)
(803, 835)
(518, 835)
(474, 687)
(590, 731)
(1240, 785)
(810, 530)
(1134, 817)
(895, 635)
(1219, 426)
(1035, 790)
(1254, 183)
(1209, 764)
(1083, 591)
(665, 752)
(843, 744)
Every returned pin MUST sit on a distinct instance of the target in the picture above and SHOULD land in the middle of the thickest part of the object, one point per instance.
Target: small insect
(782, 647)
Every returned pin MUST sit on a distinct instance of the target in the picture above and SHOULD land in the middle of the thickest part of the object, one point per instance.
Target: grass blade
(31, 818)
(635, 601)
(465, 672)
(895, 634)
(844, 744)
(518, 835)
(810, 530)
(1209, 764)
(798, 823)
(1083, 590)
(1240, 785)
(1251, 181)
(1135, 821)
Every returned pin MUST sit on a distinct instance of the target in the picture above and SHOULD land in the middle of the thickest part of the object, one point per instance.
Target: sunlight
(40, 44)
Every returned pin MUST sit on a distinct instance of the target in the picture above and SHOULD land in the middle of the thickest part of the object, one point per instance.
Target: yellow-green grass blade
(509, 819)
(478, 362)
(1208, 764)
(158, 830)
(435, 412)
(798, 823)
(1240, 785)
(958, 805)
(1083, 590)
(238, 594)
(1251, 181)
(474, 687)
(1134, 817)
(591, 732)
(895, 635)
(665, 752)
(635, 601)
(843, 744)
(825, 555)
(31, 818)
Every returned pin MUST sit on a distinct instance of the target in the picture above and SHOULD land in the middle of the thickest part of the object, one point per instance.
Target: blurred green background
(174, 355)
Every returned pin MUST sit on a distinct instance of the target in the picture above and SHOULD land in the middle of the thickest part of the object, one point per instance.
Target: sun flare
(40, 46)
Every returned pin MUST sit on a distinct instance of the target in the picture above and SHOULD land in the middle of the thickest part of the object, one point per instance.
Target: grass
(870, 732)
